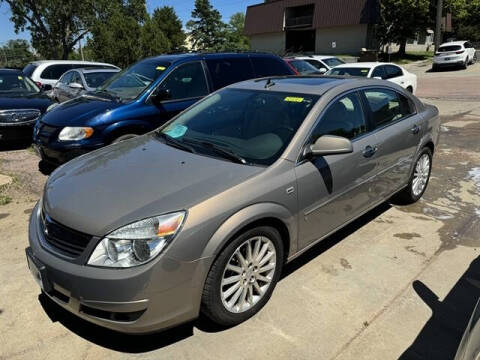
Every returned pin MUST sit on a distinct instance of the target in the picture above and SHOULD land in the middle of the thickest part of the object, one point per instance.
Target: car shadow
(142, 343)
(445, 69)
(441, 335)
(17, 145)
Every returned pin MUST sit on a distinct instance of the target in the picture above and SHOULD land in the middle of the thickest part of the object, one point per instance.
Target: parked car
(77, 82)
(469, 348)
(21, 103)
(46, 73)
(457, 53)
(141, 98)
(301, 67)
(202, 214)
(322, 63)
(385, 71)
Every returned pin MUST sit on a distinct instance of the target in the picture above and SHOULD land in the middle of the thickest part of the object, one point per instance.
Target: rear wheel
(418, 180)
(242, 278)
(474, 59)
(465, 64)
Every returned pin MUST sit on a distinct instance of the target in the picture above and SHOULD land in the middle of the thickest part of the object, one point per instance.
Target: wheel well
(430, 146)
(123, 131)
(410, 88)
(272, 222)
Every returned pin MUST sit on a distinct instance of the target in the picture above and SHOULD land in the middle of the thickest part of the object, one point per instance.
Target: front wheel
(242, 278)
(418, 180)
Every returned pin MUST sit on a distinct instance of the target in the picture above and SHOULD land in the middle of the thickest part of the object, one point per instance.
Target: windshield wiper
(173, 142)
(219, 150)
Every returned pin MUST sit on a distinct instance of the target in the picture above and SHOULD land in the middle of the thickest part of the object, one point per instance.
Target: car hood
(78, 111)
(132, 180)
(20, 101)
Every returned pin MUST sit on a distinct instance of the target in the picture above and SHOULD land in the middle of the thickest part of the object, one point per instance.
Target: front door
(398, 130)
(336, 188)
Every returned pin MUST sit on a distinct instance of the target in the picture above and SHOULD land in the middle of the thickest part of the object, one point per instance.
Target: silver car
(77, 82)
(202, 214)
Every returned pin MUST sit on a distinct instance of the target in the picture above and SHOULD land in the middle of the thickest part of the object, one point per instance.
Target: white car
(322, 63)
(378, 70)
(46, 73)
(456, 53)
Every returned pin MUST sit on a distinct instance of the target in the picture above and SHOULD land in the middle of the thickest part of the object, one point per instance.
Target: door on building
(299, 41)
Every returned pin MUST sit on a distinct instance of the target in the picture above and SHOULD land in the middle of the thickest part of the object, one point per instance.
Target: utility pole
(438, 28)
(81, 49)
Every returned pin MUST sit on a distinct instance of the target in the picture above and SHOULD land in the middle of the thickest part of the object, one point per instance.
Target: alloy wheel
(421, 174)
(248, 274)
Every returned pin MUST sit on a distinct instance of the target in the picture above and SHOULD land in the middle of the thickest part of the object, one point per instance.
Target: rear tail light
(460, 52)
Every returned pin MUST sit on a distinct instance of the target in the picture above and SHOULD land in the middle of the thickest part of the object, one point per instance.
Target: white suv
(457, 53)
(47, 72)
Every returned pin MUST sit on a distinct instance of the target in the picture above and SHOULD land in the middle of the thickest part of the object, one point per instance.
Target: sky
(183, 8)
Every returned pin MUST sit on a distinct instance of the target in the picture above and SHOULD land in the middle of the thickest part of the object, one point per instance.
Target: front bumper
(58, 157)
(158, 295)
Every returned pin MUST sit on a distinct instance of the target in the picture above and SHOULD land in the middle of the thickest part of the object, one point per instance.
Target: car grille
(45, 132)
(63, 240)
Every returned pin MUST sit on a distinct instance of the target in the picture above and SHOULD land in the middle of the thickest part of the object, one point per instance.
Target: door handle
(415, 129)
(369, 151)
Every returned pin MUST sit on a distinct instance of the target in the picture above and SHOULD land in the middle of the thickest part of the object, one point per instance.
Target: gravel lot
(400, 282)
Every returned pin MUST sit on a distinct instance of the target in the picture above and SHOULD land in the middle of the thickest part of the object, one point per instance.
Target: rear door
(337, 188)
(395, 75)
(398, 130)
(187, 84)
(72, 93)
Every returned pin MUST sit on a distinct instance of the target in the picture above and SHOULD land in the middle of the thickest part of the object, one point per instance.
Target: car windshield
(249, 125)
(29, 69)
(96, 79)
(17, 83)
(332, 62)
(353, 71)
(130, 83)
(303, 67)
(449, 48)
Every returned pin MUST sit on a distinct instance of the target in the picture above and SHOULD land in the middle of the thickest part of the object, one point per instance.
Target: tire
(215, 302)
(410, 89)
(434, 67)
(465, 64)
(123, 137)
(410, 194)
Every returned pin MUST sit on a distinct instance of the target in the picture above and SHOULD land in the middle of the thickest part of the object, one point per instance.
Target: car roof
(10, 71)
(315, 85)
(454, 43)
(364, 64)
(315, 57)
(94, 70)
(194, 56)
(74, 62)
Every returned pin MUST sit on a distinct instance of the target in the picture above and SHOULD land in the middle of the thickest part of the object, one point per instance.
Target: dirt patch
(407, 236)
(345, 264)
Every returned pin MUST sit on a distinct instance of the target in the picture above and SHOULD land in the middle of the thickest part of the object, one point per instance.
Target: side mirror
(161, 95)
(75, 86)
(323, 70)
(46, 87)
(329, 145)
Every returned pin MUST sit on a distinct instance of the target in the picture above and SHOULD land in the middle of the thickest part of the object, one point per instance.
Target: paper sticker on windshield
(20, 78)
(364, 71)
(177, 131)
(293, 99)
(160, 68)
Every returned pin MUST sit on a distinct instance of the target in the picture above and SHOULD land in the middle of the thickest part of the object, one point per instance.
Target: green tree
(166, 20)
(401, 20)
(16, 54)
(235, 38)
(465, 19)
(56, 26)
(207, 31)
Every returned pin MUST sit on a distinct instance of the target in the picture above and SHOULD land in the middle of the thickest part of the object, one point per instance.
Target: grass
(4, 199)
(409, 57)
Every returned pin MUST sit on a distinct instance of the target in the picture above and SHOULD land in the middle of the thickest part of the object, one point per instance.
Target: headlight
(75, 133)
(137, 243)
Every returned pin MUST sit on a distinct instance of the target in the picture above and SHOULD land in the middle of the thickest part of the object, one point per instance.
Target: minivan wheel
(242, 278)
(124, 137)
(418, 180)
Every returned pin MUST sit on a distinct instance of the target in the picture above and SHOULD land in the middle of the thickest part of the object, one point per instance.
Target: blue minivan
(141, 98)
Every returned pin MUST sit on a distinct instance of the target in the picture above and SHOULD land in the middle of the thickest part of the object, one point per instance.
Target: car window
(318, 64)
(353, 71)
(449, 48)
(387, 106)
(393, 71)
(345, 117)
(29, 69)
(17, 83)
(255, 124)
(65, 79)
(379, 71)
(186, 81)
(95, 79)
(468, 45)
(54, 72)
(332, 62)
(228, 71)
(269, 66)
(75, 78)
(303, 67)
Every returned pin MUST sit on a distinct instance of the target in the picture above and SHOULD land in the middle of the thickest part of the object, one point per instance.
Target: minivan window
(269, 66)
(449, 48)
(131, 82)
(387, 106)
(344, 117)
(29, 69)
(255, 125)
(15, 83)
(54, 72)
(229, 71)
(186, 81)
